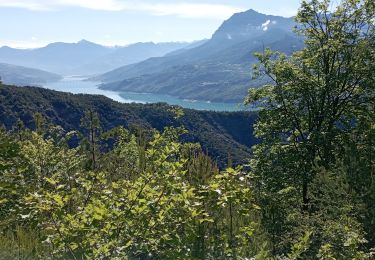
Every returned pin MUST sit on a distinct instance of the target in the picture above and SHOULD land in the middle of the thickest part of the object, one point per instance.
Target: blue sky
(34, 23)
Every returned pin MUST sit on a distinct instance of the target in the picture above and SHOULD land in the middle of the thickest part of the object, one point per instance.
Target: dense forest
(81, 186)
(221, 134)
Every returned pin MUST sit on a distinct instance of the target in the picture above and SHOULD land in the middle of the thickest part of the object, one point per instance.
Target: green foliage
(308, 192)
(300, 247)
(22, 244)
(317, 116)
(157, 198)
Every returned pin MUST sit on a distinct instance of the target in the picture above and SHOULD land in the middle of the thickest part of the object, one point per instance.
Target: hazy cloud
(181, 9)
(193, 10)
(45, 5)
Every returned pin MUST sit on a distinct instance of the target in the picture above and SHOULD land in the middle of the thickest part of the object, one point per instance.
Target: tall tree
(90, 121)
(317, 96)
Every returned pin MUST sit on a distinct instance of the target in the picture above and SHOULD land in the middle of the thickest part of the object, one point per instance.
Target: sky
(35, 23)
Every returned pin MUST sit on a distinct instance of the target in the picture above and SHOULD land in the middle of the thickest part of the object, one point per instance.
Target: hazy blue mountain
(131, 54)
(84, 57)
(217, 70)
(57, 57)
(18, 75)
(188, 47)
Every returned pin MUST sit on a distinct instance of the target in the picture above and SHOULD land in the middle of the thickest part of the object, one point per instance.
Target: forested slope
(219, 133)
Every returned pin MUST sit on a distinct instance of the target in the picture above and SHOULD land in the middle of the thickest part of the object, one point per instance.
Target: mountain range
(86, 57)
(217, 70)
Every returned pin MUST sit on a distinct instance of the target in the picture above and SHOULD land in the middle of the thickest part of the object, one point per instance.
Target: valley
(212, 74)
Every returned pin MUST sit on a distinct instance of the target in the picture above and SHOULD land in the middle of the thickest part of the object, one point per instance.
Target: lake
(77, 85)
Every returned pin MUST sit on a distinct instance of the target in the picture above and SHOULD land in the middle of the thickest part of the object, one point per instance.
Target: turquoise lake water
(76, 85)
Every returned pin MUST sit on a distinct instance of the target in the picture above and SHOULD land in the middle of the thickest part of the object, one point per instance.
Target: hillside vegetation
(307, 192)
(221, 134)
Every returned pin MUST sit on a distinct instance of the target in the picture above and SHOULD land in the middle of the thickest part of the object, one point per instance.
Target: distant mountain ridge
(85, 57)
(131, 54)
(19, 75)
(217, 70)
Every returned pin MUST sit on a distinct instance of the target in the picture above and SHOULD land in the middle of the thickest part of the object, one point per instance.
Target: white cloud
(31, 5)
(106, 5)
(23, 44)
(44, 5)
(265, 25)
(187, 9)
(191, 10)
